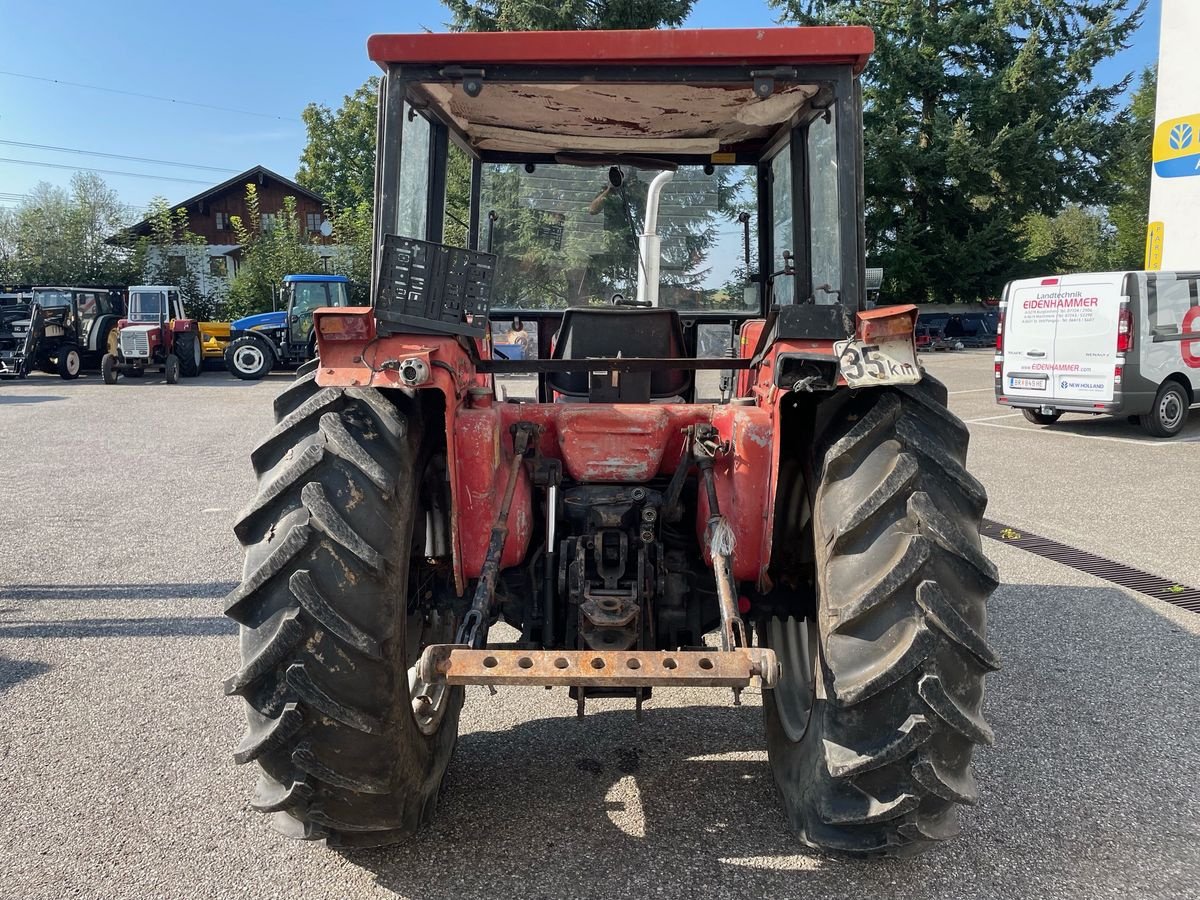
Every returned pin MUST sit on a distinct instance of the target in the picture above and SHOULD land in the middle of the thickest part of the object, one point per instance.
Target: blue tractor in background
(283, 338)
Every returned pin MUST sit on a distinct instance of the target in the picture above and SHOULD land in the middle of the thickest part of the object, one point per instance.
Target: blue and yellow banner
(1177, 147)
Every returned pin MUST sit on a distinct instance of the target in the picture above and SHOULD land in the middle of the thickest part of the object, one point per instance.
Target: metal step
(456, 664)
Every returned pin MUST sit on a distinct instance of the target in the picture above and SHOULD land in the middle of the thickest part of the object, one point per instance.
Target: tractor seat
(632, 333)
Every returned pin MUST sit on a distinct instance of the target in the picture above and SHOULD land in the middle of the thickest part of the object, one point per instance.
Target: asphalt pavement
(116, 774)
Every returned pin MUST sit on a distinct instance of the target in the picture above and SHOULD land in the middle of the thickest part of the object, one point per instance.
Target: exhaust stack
(650, 244)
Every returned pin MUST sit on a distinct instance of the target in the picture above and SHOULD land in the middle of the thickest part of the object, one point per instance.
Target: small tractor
(809, 532)
(284, 337)
(156, 333)
(58, 330)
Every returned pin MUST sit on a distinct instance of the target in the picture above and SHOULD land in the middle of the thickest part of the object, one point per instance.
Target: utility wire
(96, 87)
(144, 159)
(30, 162)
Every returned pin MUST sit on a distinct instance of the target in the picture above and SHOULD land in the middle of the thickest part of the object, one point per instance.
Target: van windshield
(566, 236)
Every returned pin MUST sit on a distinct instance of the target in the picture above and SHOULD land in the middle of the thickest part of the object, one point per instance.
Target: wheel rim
(73, 363)
(196, 355)
(427, 572)
(1170, 410)
(794, 643)
(248, 359)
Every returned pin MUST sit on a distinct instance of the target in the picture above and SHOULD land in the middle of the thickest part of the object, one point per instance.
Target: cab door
(306, 297)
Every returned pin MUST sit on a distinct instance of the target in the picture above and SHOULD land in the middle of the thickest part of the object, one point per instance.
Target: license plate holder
(875, 363)
(1028, 382)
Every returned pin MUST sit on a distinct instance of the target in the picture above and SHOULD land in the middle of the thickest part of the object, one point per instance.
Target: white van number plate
(883, 362)
(1036, 383)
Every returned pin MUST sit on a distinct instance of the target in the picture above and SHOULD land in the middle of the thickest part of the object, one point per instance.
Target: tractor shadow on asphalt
(137, 627)
(19, 399)
(1088, 784)
(107, 593)
(14, 671)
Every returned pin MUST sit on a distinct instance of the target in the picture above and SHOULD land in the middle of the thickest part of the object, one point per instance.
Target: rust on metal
(455, 664)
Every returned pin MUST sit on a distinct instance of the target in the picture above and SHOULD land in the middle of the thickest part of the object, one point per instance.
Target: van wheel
(1170, 410)
(1041, 418)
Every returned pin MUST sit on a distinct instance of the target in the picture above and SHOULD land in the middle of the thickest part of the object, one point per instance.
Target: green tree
(1130, 174)
(566, 15)
(978, 114)
(352, 229)
(170, 237)
(1074, 240)
(269, 252)
(62, 236)
(338, 161)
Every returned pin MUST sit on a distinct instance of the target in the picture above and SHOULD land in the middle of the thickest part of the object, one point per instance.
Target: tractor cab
(154, 304)
(714, 188)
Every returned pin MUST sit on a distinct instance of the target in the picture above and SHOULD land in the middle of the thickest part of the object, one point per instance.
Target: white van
(1111, 343)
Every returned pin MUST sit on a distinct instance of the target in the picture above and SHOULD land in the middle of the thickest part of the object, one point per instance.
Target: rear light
(999, 367)
(341, 327)
(1000, 333)
(1125, 330)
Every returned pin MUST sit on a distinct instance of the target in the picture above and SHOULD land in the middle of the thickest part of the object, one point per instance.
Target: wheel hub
(794, 643)
(248, 359)
(1170, 410)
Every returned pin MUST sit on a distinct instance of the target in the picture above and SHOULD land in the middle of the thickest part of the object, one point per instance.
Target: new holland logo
(1177, 148)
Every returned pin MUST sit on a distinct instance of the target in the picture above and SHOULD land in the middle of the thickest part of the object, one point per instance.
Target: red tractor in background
(808, 528)
(156, 332)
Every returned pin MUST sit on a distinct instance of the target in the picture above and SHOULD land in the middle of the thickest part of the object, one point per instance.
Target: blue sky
(267, 56)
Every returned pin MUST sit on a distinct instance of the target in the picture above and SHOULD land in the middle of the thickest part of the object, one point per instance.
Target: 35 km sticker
(885, 362)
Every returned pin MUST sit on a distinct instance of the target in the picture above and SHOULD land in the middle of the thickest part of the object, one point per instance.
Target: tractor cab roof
(669, 92)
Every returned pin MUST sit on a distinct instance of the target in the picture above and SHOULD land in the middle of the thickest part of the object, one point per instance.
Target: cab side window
(309, 296)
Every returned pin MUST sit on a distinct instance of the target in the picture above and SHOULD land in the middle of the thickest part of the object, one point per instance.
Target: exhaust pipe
(650, 244)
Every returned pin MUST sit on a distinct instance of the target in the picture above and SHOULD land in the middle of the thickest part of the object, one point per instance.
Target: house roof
(256, 174)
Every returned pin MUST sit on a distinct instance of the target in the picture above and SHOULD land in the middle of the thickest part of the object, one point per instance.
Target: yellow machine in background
(214, 338)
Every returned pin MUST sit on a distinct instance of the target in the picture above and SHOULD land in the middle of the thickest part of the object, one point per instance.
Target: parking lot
(116, 506)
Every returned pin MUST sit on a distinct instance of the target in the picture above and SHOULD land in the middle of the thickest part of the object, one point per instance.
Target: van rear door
(1060, 339)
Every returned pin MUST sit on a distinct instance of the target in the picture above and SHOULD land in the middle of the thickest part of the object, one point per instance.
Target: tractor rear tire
(69, 363)
(190, 353)
(171, 369)
(897, 654)
(108, 368)
(347, 750)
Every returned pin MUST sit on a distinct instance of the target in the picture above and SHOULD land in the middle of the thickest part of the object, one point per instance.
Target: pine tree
(566, 15)
(977, 114)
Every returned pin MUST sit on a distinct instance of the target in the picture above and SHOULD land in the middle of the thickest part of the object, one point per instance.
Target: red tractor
(156, 332)
(792, 513)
